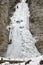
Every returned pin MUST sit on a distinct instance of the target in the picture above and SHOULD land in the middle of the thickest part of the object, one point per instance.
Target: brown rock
(4, 8)
(41, 62)
(39, 46)
(36, 21)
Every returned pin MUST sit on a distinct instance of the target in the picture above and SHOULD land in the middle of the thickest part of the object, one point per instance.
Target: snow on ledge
(26, 61)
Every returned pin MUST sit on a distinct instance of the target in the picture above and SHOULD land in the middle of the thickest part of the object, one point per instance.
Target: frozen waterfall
(22, 42)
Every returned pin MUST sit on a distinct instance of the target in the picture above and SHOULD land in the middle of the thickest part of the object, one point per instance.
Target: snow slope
(23, 43)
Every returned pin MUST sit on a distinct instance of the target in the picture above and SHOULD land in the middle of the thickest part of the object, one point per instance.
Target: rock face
(13, 2)
(4, 8)
(36, 21)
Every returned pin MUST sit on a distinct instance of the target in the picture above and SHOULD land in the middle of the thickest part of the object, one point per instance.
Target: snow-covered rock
(28, 61)
(35, 61)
